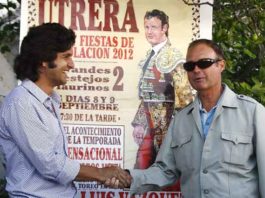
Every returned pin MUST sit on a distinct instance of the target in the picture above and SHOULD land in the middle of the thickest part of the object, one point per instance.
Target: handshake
(112, 176)
(115, 177)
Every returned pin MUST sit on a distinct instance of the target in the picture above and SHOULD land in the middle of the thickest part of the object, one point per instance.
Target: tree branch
(197, 4)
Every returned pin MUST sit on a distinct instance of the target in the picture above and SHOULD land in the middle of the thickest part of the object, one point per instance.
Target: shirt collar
(39, 93)
(227, 99)
(218, 102)
(204, 110)
(157, 47)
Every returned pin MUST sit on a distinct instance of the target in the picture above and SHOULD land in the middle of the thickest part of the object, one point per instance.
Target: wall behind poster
(100, 98)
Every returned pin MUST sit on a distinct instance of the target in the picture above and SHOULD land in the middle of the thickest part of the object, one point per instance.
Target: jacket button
(206, 191)
(205, 171)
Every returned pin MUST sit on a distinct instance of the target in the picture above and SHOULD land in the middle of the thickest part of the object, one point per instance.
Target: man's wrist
(127, 170)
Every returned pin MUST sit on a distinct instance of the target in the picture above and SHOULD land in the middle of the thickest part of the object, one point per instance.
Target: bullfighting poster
(100, 100)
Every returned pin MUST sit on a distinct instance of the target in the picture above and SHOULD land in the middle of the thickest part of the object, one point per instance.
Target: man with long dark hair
(32, 137)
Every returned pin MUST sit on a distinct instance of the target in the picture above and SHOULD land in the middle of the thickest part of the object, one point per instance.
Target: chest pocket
(182, 149)
(238, 148)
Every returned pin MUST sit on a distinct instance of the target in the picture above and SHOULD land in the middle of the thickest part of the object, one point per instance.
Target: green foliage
(9, 31)
(9, 25)
(3, 193)
(239, 28)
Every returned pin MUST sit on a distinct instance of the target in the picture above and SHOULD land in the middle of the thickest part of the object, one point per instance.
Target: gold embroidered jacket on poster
(163, 87)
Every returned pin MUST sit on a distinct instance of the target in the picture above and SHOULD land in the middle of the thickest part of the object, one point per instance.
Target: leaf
(249, 53)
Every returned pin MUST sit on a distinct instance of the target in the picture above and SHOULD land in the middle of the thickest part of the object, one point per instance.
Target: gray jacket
(229, 163)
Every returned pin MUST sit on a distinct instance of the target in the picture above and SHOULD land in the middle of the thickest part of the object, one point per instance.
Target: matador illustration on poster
(163, 89)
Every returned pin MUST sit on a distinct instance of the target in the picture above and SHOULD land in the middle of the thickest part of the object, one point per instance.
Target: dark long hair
(41, 44)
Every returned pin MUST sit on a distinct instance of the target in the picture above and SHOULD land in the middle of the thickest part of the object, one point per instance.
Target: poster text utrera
(85, 15)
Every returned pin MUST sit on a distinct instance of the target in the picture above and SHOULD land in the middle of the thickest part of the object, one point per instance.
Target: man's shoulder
(16, 95)
(233, 99)
(185, 109)
(168, 58)
(245, 98)
(169, 49)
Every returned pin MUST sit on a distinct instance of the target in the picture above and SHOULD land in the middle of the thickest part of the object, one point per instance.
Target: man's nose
(71, 63)
(196, 68)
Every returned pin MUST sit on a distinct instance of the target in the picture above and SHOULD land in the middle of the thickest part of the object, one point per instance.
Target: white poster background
(91, 138)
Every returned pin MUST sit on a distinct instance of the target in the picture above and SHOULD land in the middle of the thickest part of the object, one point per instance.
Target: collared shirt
(228, 163)
(157, 47)
(34, 145)
(153, 85)
(206, 118)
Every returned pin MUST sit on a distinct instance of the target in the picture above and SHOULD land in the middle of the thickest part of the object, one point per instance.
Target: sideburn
(51, 64)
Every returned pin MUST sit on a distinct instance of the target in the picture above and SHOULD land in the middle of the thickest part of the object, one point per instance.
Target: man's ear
(43, 66)
(222, 65)
(165, 27)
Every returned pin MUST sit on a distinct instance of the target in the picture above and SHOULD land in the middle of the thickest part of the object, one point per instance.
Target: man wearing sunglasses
(216, 144)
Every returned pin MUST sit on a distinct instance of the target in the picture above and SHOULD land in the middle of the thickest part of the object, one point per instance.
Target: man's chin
(63, 82)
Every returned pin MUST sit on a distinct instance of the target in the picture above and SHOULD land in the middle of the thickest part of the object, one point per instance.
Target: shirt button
(205, 171)
(206, 191)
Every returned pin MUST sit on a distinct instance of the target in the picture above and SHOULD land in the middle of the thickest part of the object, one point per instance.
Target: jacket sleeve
(161, 174)
(260, 146)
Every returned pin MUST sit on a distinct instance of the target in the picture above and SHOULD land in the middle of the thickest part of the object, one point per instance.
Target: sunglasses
(202, 64)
